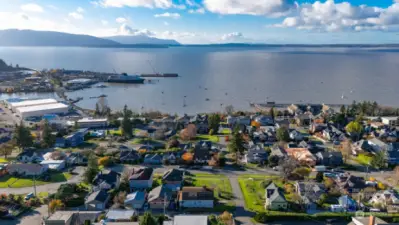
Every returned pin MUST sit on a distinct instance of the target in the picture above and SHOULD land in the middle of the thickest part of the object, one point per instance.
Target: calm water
(231, 75)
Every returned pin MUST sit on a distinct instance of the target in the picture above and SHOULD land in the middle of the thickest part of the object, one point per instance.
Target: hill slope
(49, 38)
(141, 39)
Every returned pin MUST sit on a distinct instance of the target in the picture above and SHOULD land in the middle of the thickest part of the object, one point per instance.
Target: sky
(213, 21)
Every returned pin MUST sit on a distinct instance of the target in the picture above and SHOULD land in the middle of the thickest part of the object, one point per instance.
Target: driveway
(50, 188)
(241, 215)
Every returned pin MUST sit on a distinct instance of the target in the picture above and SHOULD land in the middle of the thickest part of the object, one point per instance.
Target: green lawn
(3, 160)
(226, 131)
(364, 159)
(7, 180)
(115, 132)
(222, 190)
(212, 138)
(252, 187)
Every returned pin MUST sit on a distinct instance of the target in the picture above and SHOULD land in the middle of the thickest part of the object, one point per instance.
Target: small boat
(207, 99)
(101, 86)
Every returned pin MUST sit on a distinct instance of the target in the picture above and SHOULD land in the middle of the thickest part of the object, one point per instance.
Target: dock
(282, 106)
(160, 75)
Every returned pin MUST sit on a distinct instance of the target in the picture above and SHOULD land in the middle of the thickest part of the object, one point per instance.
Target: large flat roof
(88, 120)
(33, 102)
(42, 107)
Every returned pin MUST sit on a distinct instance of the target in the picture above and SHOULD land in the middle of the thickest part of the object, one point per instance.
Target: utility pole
(34, 184)
(164, 204)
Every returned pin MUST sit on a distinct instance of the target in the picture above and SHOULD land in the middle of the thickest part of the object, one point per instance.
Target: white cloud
(168, 15)
(121, 20)
(137, 3)
(75, 15)
(95, 3)
(52, 7)
(192, 3)
(330, 16)
(165, 23)
(104, 22)
(232, 36)
(80, 10)
(272, 8)
(31, 7)
(198, 11)
(125, 29)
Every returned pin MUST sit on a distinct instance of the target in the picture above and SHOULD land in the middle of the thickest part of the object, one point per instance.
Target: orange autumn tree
(188, 133)
(55, 204)
(255, 124)
(187, 157)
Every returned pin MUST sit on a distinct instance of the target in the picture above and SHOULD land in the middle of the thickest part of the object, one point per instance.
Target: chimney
(371, 220)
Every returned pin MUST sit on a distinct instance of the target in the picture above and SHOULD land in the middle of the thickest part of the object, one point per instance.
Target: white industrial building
(26, 103)
(41, 110)
(93, 123)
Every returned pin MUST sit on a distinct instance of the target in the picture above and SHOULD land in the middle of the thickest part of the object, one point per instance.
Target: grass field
(222, 189)
(211, 138)
(7, 180)
(363, 159)
(252, 187)
(225, 131)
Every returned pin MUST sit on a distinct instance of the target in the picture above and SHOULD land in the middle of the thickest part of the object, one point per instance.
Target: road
(50, 188)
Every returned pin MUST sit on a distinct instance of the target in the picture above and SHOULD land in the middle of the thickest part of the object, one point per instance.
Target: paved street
(33, 217)
(50, 188)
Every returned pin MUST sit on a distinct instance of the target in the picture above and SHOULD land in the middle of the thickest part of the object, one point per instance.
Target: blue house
(347, 203)
(75, 139)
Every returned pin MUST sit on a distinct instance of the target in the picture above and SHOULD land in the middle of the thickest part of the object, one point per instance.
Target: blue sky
(213, 21)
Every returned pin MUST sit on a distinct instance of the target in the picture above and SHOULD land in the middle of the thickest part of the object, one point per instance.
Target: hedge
(291, 216)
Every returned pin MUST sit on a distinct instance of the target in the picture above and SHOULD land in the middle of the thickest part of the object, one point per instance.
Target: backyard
(363, 159)
(8, 181)
(212, 138)
(222, 189)
(253, 189)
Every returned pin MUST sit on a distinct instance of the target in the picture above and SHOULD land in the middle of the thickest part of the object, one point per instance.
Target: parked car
(29, 196)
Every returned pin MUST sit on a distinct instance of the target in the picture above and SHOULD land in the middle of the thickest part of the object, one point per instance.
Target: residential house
(107, 180)
(329, 158)
(97, 200)
(75, 139)
(295, 109)
(76, 158)
(377, 145)
(141, 178)
(153, 159)
(71, 217)
(302, 155)
(30, 155)
(173, 179)
(390, 121)
(241, 120)
(332, 133)
(393, 153)
(310, 193)
(146, 148)
(256, 154)
(264, 120)
(282, 123)
(170, 158)
(26, 169)
(347, 203)
(350, 183)
(196, 197)
(54, 164)
(93, 123)
(385, 197)
(275, 200)
(317, 127)
(303, 119)
(278, 151)
(327, 109)
(120, 215)
(135, 200)
(3, 169)
(202, 152)
(159, 197)
(129, 156)
(188, 219)
(60, 142)
(370, 220)
(361, 146)
(296, 136)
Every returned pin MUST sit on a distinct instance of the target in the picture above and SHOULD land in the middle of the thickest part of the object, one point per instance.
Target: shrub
(104, 161)
(134, 218)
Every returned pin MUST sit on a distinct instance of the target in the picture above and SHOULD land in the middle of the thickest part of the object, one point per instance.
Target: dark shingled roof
(173, 175)
(141, 174)
(100, 196)
(196, 193)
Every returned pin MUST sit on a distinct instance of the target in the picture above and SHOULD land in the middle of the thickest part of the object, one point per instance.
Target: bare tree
(346, 150)
(288, 165)
(229, 109)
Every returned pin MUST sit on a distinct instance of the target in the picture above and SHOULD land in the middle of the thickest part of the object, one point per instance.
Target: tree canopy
(22, 136)
(127, 126)
(214, 122)
(282, 134)
(236, 144)
(48, 139)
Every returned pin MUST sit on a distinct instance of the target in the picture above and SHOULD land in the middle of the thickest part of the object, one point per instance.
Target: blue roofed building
(135, 200)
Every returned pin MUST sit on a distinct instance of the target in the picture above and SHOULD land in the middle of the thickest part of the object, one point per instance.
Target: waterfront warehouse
(26, 103)
(93, 123)
(41, 110)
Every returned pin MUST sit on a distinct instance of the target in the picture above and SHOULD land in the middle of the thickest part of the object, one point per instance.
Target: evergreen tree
(91, 169)
(48, 139)
(272, 114)
(236, 144)
(22, 136)
(97, 111)
(282, 134)
(343, 110)
(127, 127)
(148, 219)
(214, 122)
(379, 160)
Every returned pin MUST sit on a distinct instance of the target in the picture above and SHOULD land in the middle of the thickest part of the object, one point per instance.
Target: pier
(160, 75)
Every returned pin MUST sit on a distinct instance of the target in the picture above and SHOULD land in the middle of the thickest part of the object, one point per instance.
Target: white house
(391, 121)
(196, 197)
(54, 164)
(26, 169)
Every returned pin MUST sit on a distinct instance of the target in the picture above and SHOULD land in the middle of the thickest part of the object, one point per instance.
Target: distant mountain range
(141, 39)
(15, 37)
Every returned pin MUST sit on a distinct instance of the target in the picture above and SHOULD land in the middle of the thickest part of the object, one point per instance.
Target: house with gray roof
(97, 200)
(275, 200)
(159, 197)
